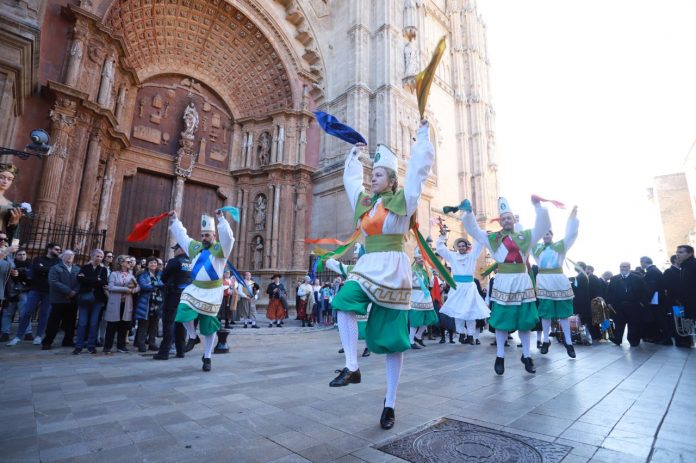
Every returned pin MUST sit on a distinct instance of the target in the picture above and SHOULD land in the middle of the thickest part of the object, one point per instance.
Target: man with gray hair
(626, 293)
(63, 287)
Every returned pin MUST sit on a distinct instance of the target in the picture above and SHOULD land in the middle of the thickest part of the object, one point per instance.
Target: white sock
(412, 334)
(500, 340)
(526, 338)
(420, 331)
(395, 360)
(209, 345)
(546, 325)
(470, 325)
(348, 331)
(190, 329)
(565, 324)
(539, 333)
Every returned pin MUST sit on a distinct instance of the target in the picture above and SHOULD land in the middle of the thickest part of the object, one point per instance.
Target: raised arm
(542, 223)
(442, 249)
(473, 229)
(353, 176)
(180, 233)
(422, 158)
(571, 229)
(225, 235)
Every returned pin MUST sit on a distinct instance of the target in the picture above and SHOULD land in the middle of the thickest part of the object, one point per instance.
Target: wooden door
(198, 199)
(143, 195)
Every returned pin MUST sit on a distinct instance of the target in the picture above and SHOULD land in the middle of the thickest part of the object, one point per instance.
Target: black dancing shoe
(442, 340)
(206, 364)
(386, 421)
(419, 341)
(160, 357)
(478, 343)
(470, 340)
(539, 344)
(190, 344)
(570, 350)
(462, 339)
(545, 347)
(77, 351)
(528, 364)
(499, 365)
(366, 352)
(415, 346)
(345, 377)
(341, 351)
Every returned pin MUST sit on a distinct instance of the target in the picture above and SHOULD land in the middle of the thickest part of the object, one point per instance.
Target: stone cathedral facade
(195, 104)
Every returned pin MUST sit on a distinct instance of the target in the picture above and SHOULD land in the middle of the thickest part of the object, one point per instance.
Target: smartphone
(15, 242)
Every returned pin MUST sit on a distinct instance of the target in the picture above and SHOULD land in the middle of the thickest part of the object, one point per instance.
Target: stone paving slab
(269, 401)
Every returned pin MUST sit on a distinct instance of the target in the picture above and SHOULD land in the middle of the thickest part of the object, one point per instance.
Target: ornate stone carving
(264, 148)
(74, 60)
(121, 102)
(185, 156)
(411, 64)
(107, 81)
(260, 206)
(257, 249)
(410, 19)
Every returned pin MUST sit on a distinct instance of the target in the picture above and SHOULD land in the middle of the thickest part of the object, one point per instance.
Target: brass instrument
(684, 326)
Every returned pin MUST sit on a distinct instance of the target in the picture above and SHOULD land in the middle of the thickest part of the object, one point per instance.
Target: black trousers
(120, 329)
(65, 314)
(147, 331)
(172, 332)
(629, 314)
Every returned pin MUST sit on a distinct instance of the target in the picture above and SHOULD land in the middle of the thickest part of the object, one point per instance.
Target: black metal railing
(36, 232)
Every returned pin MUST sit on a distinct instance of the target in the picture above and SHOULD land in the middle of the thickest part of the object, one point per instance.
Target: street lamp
(38, 147)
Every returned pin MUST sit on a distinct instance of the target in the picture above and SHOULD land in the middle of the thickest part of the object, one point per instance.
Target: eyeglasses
(109, 256)
(3, 238)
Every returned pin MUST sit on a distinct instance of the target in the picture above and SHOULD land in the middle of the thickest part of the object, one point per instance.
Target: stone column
(243, 227)
(107, 81)
(107, 190)
(61, 128)
(298, 255)
(235, 145)
(89, 181)
(270, 223)
(276, 226)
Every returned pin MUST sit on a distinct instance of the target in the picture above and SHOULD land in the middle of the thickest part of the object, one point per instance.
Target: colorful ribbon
(425, 78)
(234, 212)
(558, 204)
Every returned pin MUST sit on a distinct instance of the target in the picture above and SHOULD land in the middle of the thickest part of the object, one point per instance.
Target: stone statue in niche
(264, 149)
(260, 212)
(410, 60)
(190, 122)
(257, 253)
(107, 82)
(121, 101)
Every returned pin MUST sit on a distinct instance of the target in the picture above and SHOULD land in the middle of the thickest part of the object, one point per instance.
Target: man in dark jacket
(38, 296)
(687, 287)
(175, 276)
(63, 287)
(16, 290)
(654, 322)
(671, 281)
(627, 293)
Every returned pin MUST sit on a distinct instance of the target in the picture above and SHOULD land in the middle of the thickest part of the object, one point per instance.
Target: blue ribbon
(239, 278)
(423, 285)
(234, 212)
(463, 278)
(334, 127)
(203, 262)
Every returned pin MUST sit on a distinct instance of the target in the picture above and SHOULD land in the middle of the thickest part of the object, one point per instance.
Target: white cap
(207, 224)
(503, 206)
(385, 158)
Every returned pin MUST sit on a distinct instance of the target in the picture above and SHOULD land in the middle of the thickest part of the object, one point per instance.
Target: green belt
(207, 284)
(382, 243)
(463, 278)
(550, 271)
(512, 268)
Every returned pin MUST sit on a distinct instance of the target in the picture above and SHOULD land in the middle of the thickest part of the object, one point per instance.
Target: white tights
(209, 345)
(526, 338)
(565, 325)
(190, 329)
(348, 331)
(500, 340)
(395, 361)
(414, 333)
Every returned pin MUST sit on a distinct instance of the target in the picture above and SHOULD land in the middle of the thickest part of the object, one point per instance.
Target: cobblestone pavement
(269, 401)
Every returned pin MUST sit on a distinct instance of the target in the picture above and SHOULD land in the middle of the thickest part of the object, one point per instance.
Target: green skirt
(206, 323)
(386, 330)
(548, 308)
(522, 317)
(418, 318)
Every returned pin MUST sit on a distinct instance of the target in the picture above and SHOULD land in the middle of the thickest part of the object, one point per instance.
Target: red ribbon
(142, 229)
(558, 204)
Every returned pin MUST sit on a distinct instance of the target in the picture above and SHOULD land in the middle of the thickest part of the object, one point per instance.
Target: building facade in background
(194, 104)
